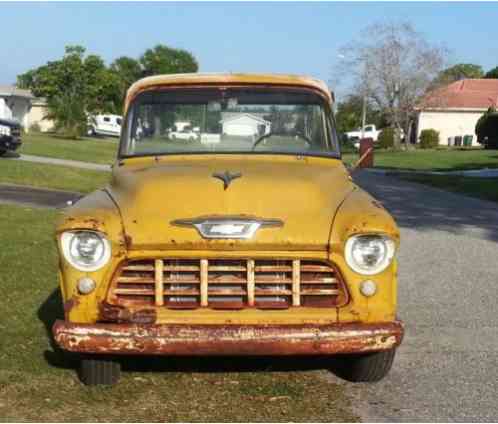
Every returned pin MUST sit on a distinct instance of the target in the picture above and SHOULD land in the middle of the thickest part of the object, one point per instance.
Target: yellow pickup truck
(251, 239)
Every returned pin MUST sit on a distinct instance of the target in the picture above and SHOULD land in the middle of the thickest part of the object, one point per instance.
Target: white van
(109, 125)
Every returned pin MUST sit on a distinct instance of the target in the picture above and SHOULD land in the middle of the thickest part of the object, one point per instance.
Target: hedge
(429, 139)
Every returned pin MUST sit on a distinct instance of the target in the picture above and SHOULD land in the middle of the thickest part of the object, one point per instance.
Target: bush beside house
(487, 129)
(429, 139)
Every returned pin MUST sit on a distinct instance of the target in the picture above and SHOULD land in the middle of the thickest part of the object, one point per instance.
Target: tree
(393, 65)
(74, 87)
(166, 60)
(458, 72)
(127, 70)
(492, 73)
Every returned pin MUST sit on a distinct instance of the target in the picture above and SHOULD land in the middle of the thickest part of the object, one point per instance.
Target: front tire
(95, 370)
(365, 367)
(2, 152)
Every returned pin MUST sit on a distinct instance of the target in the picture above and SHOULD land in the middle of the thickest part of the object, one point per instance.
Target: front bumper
(162, 339)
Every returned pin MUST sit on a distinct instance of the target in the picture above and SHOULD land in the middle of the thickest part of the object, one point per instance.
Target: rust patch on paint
(69, 305)
(119, 314)
(128, 241)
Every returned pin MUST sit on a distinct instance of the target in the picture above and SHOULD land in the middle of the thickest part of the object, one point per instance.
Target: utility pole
(364, 115)
(365, 96)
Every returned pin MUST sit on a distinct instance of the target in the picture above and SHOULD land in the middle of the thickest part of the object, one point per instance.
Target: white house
(21, 106)
(15, 104)
(245, 124)
(453, 110)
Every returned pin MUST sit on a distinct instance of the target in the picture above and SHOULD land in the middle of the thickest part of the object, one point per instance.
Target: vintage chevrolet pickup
(250, 240)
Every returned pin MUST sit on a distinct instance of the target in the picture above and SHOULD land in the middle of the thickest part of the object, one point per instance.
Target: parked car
(241, 246)
(10, 136)
(186, 133)
(105, 125)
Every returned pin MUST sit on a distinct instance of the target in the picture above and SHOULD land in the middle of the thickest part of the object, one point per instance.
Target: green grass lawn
(433, 160)
(87, 149)
(483, 188)
(51, 176)
(37, 382)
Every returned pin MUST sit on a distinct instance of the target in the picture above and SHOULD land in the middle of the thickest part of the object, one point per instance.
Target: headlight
(369, 254)
(85, 250)
(4, 130)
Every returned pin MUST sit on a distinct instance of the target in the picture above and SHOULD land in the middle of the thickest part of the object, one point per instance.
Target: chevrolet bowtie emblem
(226, 177)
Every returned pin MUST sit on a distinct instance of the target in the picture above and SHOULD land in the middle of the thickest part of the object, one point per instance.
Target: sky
(300, 38)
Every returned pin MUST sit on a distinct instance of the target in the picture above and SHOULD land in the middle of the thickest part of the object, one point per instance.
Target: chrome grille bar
(229, 283)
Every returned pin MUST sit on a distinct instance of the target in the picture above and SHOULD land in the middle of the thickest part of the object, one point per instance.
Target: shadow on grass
(10, 155)
(51, 310)
(420, 207)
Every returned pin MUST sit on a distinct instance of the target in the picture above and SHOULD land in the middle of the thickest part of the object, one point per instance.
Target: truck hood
(302, 192)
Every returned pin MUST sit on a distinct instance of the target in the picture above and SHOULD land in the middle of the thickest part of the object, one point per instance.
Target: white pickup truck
(370, 131)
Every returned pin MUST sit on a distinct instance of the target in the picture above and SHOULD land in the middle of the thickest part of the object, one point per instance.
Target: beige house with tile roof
(453, 110)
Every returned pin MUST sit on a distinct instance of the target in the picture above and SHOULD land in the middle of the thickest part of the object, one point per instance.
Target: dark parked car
(10, 135)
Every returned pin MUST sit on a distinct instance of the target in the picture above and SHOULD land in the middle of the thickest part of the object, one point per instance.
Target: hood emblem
(227, 227)
(226, 177)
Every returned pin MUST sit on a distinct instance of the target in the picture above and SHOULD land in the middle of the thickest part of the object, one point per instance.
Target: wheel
(365, 367)
(91, 132)
(96, 370)
(2, 152)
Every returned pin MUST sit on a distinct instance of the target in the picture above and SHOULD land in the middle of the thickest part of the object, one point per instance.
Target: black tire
(2, 152)
(97, 370)
(365, 367)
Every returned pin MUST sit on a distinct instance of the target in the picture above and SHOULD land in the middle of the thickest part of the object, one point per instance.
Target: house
(15, 104)
(453, 110)
(20, 105)
(245, 124)
(37, 114)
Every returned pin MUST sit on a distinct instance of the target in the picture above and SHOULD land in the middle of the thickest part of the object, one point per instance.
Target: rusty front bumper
(227, 339)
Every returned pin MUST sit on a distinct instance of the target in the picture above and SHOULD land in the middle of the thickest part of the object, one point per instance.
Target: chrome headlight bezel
(389, 251)
(68, 240)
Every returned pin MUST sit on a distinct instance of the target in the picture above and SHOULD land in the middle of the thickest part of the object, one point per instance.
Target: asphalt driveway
(36, 197)
(447, 366)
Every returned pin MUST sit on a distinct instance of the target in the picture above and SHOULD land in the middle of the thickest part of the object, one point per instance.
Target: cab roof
(226, 78)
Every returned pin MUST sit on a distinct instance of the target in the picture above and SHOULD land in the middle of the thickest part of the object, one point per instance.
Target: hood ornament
(228, 227)
(226, 177)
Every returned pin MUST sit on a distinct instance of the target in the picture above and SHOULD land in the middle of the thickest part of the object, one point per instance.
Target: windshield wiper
(265, 136)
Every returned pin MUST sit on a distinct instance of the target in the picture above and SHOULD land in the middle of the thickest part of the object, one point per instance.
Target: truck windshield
(228, 120)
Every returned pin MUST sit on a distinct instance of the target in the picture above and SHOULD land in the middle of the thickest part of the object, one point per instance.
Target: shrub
(429, 139)
(386, 138)
(35, 128)
(487, 129)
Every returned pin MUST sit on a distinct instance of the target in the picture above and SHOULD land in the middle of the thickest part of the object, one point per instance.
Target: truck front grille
(228, 283)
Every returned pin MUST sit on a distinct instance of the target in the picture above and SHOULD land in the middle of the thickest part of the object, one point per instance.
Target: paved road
(447, 366)
(61, 162)
(36, 197)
